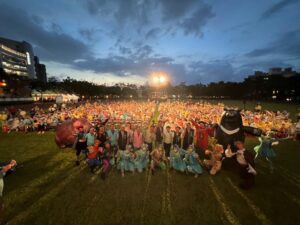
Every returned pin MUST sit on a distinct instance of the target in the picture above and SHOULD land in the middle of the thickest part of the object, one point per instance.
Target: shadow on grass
(28, 210)
(32, 169)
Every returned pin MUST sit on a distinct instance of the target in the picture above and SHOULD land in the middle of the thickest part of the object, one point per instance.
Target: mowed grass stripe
(289, 174)
(47, 177)
(148, 181)
(283, 175)
(292, 197)
(257, 211)
(168, 195)
(22, 216)
(230, 216)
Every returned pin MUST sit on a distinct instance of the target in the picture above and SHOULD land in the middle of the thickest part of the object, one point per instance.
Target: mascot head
(231, 121)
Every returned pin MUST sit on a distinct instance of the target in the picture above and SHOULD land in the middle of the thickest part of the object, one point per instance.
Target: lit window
(28, 58)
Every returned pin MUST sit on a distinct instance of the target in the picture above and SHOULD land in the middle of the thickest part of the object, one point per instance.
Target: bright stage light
(155, 79)
(162, 79)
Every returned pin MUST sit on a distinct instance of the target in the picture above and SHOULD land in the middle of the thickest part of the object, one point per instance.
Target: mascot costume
(231, 129)
(65, 132)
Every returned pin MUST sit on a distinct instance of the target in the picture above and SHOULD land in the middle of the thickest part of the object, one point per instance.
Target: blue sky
(111, 41)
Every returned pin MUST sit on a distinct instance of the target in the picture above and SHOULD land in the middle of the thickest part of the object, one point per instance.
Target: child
(142, 158)
(92, 156)
(265, 151)
(243, 163)
(157, 160)
(125, 160)
(176, 160)
(191, 159)
(4, 171)
(214, 164)
(80, 144)
(106, 156)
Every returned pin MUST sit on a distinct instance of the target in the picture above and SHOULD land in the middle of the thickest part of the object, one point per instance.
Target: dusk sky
(111, 41)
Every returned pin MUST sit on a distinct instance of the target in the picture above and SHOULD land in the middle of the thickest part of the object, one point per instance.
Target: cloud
(124, 51)
(153, 33)
(148, 18)
(53, 45)
(175, 9)
(122, 65)
(89, 33)
(287, 45)
(212, 71)
(195, 23)
(276, 8)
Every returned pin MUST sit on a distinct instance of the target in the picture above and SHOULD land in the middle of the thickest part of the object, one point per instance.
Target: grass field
(292, 108)
(50, 189)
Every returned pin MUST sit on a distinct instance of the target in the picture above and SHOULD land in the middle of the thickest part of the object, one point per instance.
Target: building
(278, 84)
(40, 70)
(17, 58)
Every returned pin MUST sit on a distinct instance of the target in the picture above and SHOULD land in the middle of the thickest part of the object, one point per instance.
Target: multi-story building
(40, 70)
(17, 58)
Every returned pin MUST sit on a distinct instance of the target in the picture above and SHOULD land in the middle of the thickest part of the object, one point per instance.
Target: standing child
(80, 144)
(243, 163)
(265, 149)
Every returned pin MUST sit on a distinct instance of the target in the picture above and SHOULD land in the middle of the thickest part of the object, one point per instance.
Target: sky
(193, 41)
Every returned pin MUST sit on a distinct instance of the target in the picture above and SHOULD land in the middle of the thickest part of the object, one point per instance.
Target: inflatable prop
(231, 129)
(66, 132)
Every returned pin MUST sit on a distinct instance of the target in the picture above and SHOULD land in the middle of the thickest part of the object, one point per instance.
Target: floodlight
(162, 79)
(156, 79)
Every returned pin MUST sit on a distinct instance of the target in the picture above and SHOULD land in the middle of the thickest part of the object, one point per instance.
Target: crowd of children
(141, 135)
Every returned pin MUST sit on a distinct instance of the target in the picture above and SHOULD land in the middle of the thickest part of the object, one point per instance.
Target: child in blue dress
(265, 149)
(191, 159)
(142, 158)
(176, 159)
(125, 161)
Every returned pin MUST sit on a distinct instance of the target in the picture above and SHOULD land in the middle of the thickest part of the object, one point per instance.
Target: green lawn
(292, 108)
(50, 189)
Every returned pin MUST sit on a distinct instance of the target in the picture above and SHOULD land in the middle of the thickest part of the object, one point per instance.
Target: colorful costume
(265, 151)
(242, 163)
(125, 161)
(176, 161)
(202, 135)
(215, 161)
(142, 159)
(191, 160)
(157, 160)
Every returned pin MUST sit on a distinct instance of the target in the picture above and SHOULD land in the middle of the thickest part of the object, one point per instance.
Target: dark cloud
(175, 9)
(56, 28)
(37, 19)
(212, 71)
(153, 33)
(144, 16)
(142, 52)
(262, 65)
(287, 45)
(123, 66)
(98, 6)
(89, 33)
(49, 45)
(124, 50)
(133, 12)
(276, 8)
(195, 23)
